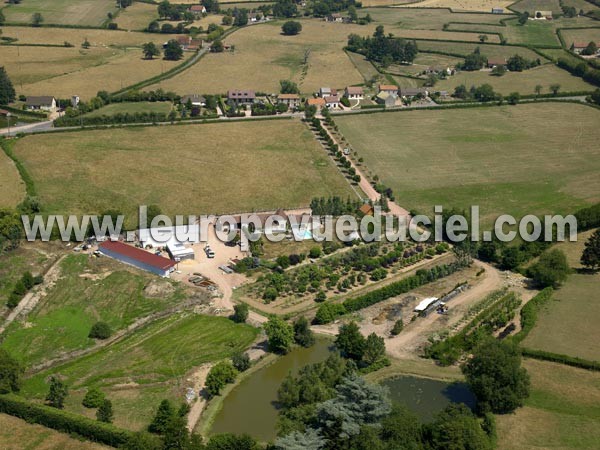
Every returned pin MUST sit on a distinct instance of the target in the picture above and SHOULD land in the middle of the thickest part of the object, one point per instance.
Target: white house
(178, 252)
(332, 101)
(161, 236)
(354, 93)
(41, 103)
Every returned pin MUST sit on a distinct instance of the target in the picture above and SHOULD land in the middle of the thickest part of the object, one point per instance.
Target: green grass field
(464, 49)
(16, 434)
(63, 12)
(567, 326)
(537, 5)
(137, 16)
(11, 185)
(562, 411)
(89, 290)
(149, 365)
(515, 160)
(132, 108)
(189, 169)
(521, 82)
(583, 35)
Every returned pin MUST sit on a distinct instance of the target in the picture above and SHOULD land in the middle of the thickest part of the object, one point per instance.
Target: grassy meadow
(562, 411)
(11, 185)
(113, 61)
(516, 160)
(189, 169)
(62, 12)
(537, 5)
(570, 309)
(149, 365)
(137, 16)
(132, 108)
(251, 67)
(460, 5)
(17, 434)
(88, 290)
(521, 82)
(464, 49)
(583, 35)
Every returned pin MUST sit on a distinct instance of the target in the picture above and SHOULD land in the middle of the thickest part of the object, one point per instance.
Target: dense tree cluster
(590, 257)
(7, 90)
(581, 69)
(334, 206)
(22, 286)
(382, 48)
(551, 270)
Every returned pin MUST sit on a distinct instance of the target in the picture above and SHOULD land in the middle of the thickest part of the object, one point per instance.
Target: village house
(41, 103)
(241, 97)
(291, 100)
(579, 47)
(388, 89)
(319, 102)
(187, 43)
(327, 92)
(496, 62)
(333, 101)
(367, 209)
(335, 17)
(354, 93)
(195, 99)
(197, 10)
(254, 17)
(409, 93)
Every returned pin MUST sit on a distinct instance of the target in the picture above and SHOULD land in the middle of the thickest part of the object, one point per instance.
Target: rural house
(137, 257)
(578, 47)
(196, 99)
(254, 17)
(335, 17)
(367, 209)
(241, 97)
(388, 89)
(319, 102)
(354, 93)
(333, 101)
(327, 92)
(197, 10)
(496, 62)
(291, 100)
(413, 92)
(41, 103)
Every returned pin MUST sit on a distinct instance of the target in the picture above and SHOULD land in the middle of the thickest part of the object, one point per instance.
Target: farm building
(160, 236)
(495, 62)
(291, 100)
(136, 257)
(579, 47)
(425, 303)
(241, 97)
(497, 10)
(41, 103)
(388, 89)
(197, 10)
(335, 17)
(178, 252)
(354, 93)
(196, 99)
(413, 92)
(389, 100)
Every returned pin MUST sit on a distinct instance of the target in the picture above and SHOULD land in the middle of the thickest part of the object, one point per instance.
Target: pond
(426, 397)
(250, 407)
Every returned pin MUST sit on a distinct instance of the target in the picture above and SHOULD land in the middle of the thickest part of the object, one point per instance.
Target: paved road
(29, 128)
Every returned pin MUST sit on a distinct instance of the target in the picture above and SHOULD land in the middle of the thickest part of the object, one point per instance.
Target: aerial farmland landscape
(299, 224)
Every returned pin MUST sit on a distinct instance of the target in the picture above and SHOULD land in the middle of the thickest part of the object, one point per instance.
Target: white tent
(424, 304)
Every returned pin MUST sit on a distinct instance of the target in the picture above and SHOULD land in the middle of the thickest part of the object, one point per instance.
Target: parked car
(209, 252)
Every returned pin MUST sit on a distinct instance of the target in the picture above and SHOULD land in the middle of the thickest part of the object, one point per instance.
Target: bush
(291, 28)
(397, 328)
(241, 361)
(220, 374)
(100, 330)
(93, 398)
(240, 314)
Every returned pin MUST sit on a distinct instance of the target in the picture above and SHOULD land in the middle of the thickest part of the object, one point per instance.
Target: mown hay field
(462, 5)
(537, 5)
(524, 159)
(63, 12)
(137, 16)
(522, 82)
(583, 35)
(396, 20)
(422, 62)
(132, 108)
(188, 169)
(461, 48)
(263, 56)
(572, 308)
(16, 434)
(12, 188)
(113, 61)
(561, 412)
